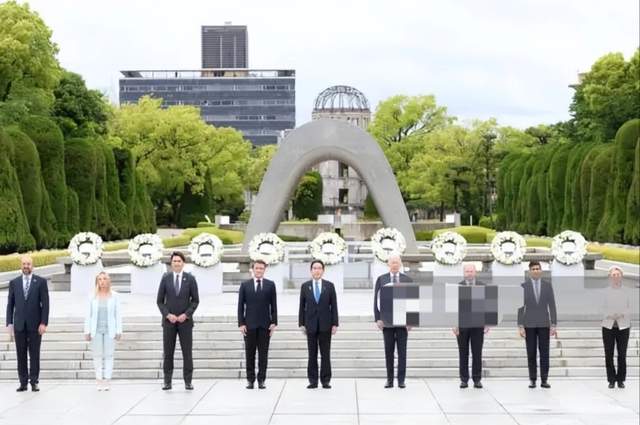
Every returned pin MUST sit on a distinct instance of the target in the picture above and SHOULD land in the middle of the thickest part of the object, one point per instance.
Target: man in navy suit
(177, 300)
(537, 321)
(394, 336)
(257, 320)
(27, 321)
(318, 320)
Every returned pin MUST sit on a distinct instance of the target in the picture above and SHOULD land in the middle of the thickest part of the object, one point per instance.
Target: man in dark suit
(177, 301)
(257, 320)
(318, 320)
(394, 336)
(27, 321)
(469, 335)
(537, 321)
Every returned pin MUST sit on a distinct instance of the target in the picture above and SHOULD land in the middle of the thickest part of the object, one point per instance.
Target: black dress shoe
(612, 385)
(21, 388)
(261, 385)
(532, 384)
(188, 386)
(34, 388)
(463, 385)
(401, 385)
(620, 384)
(389, 384)
(312, 386)
(326, 386)
(545, 384)
(166, 386)
(477, 384)
(249, 385)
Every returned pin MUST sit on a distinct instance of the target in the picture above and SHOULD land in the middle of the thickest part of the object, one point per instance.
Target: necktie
(26, 287)
(395, 278)
(316, 291)
(259, 285)
(176, 284)
(537, 288)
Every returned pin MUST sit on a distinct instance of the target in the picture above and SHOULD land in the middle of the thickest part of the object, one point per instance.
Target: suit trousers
(475, 338)
(257, 339)
(395, 337)
(537, 339)
(322, 340)
(619, 339)
(28, 341)
(185, 332)
(102, 351)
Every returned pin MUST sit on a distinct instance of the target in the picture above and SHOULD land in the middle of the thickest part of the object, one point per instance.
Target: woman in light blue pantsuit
(103, 326)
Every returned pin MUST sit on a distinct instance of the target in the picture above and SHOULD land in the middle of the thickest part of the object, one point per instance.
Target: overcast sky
(510, 59)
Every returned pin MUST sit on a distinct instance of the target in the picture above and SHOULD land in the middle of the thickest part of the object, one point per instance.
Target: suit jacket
(381, 281)
(114, 316)
(320, 316)
(540, 314)
(28, 314)
(466, 318)
(257, 309)
(185, 302)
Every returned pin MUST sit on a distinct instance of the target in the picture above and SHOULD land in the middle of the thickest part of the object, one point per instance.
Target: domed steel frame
(341, 98)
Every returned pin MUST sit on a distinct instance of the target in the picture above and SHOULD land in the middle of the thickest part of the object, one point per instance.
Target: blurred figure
(616, 326)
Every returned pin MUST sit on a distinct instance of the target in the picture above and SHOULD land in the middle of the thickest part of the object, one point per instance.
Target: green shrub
(425, 235)
(193, 207)
(290, 238)
(103, 224)
(50, 144)
(125, 165)
(205, 224)
(307, 200)
(473, 234)
(488, 222)
(73, 212)
(232, 236)
(370, 210)
(117, 208)
(40, 258)
(600, 182)
(14, 227)
(80, 168)
(626, 255)
(632, 226)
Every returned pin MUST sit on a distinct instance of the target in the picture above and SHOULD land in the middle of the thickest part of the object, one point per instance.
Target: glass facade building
(259, 103)
(225, 46)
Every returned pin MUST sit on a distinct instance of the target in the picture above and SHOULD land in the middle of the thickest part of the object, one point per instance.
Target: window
(343, 170)
(343, 196)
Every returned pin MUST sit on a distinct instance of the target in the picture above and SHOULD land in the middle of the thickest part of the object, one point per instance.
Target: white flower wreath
(267, 247)
(328, 247)
(569, 247)
(508, 248)
(387, 241)
(205, 250)
(449, 248)
(145, 249)
(85, 248)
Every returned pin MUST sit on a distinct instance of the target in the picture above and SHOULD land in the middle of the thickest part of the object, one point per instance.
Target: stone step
(301, 363)
(274, 373)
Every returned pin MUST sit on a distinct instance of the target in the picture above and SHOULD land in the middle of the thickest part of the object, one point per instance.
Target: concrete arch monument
(319, 141)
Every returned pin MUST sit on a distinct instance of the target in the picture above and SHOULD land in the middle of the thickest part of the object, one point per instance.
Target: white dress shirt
(616, 301)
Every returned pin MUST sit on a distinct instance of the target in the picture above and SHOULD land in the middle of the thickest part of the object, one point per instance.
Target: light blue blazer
(114, 316)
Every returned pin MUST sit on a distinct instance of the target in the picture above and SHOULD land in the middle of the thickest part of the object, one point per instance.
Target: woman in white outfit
(615, 326)
(103, 326)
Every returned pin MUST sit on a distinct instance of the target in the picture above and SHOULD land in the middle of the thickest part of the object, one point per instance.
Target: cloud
(509, 60)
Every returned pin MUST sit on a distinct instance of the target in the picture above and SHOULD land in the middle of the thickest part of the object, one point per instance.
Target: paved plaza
(350, 401)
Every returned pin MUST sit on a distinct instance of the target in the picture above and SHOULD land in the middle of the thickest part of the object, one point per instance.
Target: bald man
(394, 336)
(27, 320)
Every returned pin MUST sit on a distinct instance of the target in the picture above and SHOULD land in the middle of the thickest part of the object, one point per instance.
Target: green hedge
(125, 165)
(193, 207)
(632, 225)
(50, 144)
(626, 255)
(14, 227)
(227, 236)
(80, 168)
(473, 234)
(290, 238)
(426, 235)
(117, 208)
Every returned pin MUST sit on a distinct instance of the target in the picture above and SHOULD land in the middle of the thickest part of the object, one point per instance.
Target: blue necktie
(316, 291)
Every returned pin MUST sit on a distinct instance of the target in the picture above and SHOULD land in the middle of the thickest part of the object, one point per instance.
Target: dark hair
(316, 262)
(533, 264)
(259, 262)
(177, 254)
